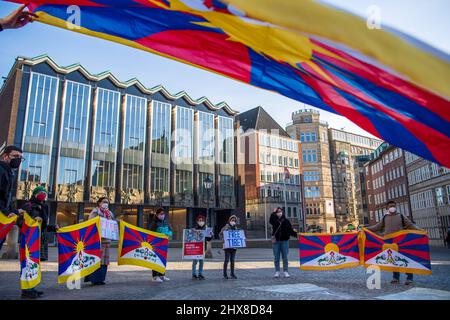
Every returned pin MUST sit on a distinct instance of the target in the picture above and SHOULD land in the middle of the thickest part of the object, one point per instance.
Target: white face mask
(104, 206)
(201, 223)
(232, 223)
(392, 209)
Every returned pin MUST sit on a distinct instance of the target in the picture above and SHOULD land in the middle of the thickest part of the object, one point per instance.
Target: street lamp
(207, 185)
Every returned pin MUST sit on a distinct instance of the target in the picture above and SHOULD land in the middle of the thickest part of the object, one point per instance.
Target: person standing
(281, 232)
(200, 224)
(230, 253)
(394, 221)
(160, 225)
(10, 161)
(38, 210)
(98, 277)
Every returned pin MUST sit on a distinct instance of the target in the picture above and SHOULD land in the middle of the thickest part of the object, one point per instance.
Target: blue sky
(426, 20)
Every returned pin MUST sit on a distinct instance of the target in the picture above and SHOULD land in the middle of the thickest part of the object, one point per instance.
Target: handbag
(274, 239)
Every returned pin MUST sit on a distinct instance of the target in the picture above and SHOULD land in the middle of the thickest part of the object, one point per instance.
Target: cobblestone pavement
(254, 269)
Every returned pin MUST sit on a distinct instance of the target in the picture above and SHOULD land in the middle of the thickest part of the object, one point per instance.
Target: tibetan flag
(390, 84)
(79, 250)
(6, 224)
(404, 251)
(141, 247)
(30, 245)
(324, 251)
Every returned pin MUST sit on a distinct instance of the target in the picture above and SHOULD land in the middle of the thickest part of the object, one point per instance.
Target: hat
(232, 217)
(200, 217)
(39, 189)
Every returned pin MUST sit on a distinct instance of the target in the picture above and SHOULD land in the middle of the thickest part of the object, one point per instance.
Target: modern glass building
(85, 136)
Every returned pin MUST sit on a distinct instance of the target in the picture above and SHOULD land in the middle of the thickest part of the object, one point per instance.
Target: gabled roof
(258, 119)
(123, 84)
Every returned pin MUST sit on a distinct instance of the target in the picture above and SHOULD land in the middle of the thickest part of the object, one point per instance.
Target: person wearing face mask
(160, 225)
(394, 221)
(230, 253)
(10, 161)
(38, 210)
(200, 224)
(98, 277)
(281, 232)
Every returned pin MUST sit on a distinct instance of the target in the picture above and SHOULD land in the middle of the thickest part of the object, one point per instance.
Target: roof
(122, 84)
(258, 119)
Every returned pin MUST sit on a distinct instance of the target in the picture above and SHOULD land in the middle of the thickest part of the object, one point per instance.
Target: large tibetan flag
(79, 250)
(404, 251)
(323, 251)
(30, 245)
(389, 83)
(141, 247)
(6, 224)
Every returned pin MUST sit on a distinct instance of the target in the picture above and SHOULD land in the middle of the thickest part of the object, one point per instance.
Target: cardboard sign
(234, 239)
(193, 244)
(109, 228)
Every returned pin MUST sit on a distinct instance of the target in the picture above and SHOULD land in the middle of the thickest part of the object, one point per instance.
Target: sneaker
(39, 293)
(395, 281)
(276, 275)
(225, 277)
(164, 278)
(201, 277)
(233, 276)
(157, 279)
(286, 274)
(408, 282)
(29, 295)
(194, 277)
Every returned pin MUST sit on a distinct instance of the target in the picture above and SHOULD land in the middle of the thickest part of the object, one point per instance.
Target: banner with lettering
(405, 251)
(234, 239)
(323, 251)
(193, 244)
(6, 224)
(30, 245)
(79, 250)
(141, 247)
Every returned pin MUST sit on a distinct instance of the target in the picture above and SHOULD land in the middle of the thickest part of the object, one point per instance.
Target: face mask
(104, 206)
(161, 217)
(392, 209)
(232, 223)
(15, 163)
(201, 223)
(41, 197)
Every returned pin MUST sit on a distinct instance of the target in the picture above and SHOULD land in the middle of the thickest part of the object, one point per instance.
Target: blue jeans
(98, 275)
(1, 243)
(409, 276)
(281, 247)
(194, 267)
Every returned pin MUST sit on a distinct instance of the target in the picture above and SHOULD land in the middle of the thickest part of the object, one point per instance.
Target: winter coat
(6, 184)
(160, 226)
(281, 227)
(35, 209)
(393, 222)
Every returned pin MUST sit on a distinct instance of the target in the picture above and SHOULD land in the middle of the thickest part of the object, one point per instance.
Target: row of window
(378, 214)
(275, 141)
(279, 177)
(281, 194)
(353, 138)
(308, 136)
(395, 173)
(283, 161)
(311, 176)
(392, 155)
(397, 191)
(309, 155)
(410, 157)
(426, 172)
(378, 182)
(312, 192)
(380, 198)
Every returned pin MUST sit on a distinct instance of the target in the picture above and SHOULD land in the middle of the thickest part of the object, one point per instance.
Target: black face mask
(15, 163)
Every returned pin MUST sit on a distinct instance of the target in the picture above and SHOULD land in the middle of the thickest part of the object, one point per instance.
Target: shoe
(44, 259)
(86, 279)
(233, 276)
(98, 283)
(225, 277)
(157, 279)
(164, 278)
(276, 275)
(194, 277)
(395, 281)
(408, 282)
(29, 295)
(39, 293)
(286, 274)
(201, 277)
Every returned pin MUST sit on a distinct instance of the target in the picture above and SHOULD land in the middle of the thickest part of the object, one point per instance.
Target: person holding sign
(200, 225)
(230, 253)
(102, 210)
(281, 232)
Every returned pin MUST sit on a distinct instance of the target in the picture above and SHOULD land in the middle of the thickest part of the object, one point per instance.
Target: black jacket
(283, 232)
(6, 185)
(36, 209)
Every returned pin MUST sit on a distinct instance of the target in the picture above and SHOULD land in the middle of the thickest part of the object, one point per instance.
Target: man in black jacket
(10, 161)
(281, 232)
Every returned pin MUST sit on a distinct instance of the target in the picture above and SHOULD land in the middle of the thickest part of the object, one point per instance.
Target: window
(161, 132)
(440, 196)
(226, 140)
(159, 179)
(206, 135)
(448, 194)
(184, 135)
(309, 155)
(183, 182)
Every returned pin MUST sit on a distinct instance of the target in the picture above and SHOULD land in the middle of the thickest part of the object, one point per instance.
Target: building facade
(271, 165)
(429, 187)
(386, 180)
(85, 136)
(307, 128)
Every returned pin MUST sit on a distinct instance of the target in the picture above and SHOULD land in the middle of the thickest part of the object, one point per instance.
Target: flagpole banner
(390, 84)
(30, 245)
(6, 224)
(141, 247)
(79, 250)
(193, 244)
(406, 251)
(324, 251)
